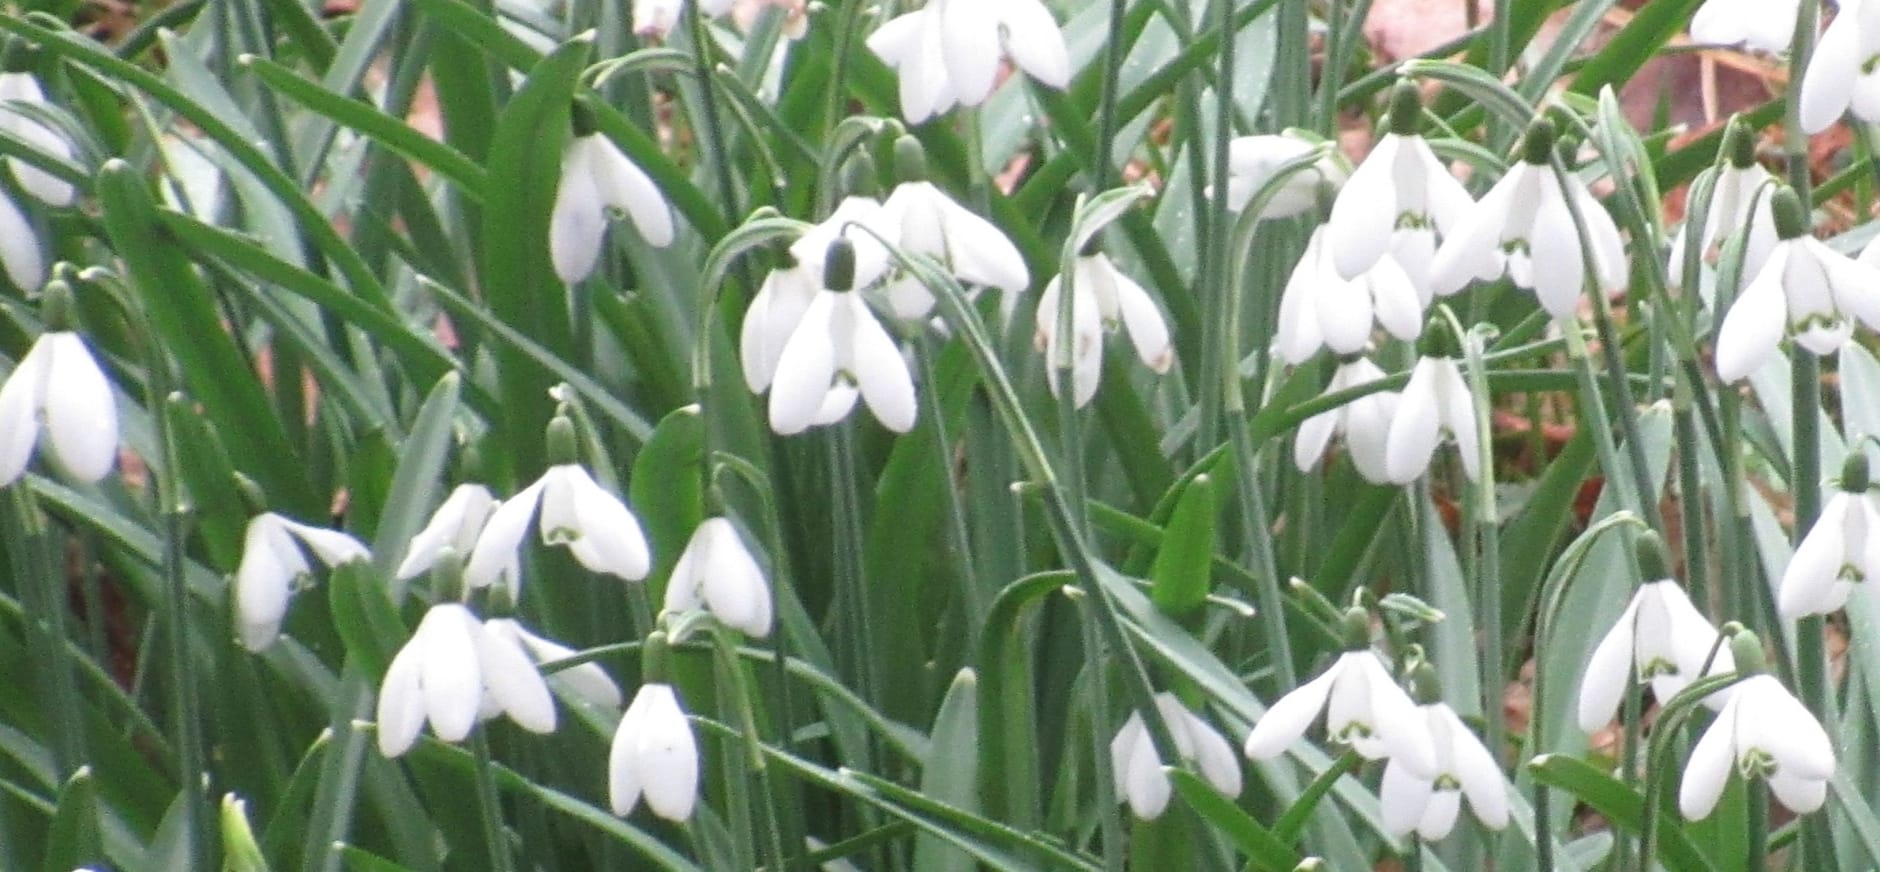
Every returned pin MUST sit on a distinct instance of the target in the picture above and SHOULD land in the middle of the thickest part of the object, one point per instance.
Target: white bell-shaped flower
(929, 222)
(1763, 732)
(597, 177)
(1400, 197)
(58, 388)
(655, 19)
(1429, 805)
(655, 755)
(1253, 160)
(599, 530)
(1842, 74)
(1805, 290)
(718, 573)
(1364, 422)
(1141, 782)
(1436, 401)
(1739, 203)
(1364, 708)
(1764, 25)
(1321, 308)
(454, 525)
(774, 312)
(273, 566)
(1660, 639)
(836, 352)
(947, 53)
(586, 681)
(22, 89)
(1841, 549)
(448, 673)
(1102, 296)
(1525, 229)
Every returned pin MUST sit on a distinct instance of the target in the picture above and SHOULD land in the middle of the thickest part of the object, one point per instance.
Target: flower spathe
(1399, 199)
(1364, 708)
(596, 177)
(1428, 806)
(1101, 297)
(273, 564)
(1253, 160)
(599, 530)
(450, 671)
(1840, 550)
(1765, 25)
(654, 755)
(23, 88)
(59, 389)
(1364, 422)
(1661, 639)
(454, 525)
(586, 681)
(1321, 308)
(1764, 732)
(1141, 782)
(973, 249)
(1841, 74)
(1806, 291)
(1436, 401)
(717, 572)
(947, 53)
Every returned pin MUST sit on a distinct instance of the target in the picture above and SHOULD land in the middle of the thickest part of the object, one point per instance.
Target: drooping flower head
(1842, 74)
(1137, 769)
(1364, 422)
(1739, 204)
(273, 566)
(929, 222)
(454, 525)
(838, 351)
(1398, 201)
(1660, 639)
(1465, 769)
(1841, 550)
(1805, 291)
(654, 754)
(20, 91)
(1253, 160)
(947, 52)
(450, 673)
(718, 572)
(58, 390)
(1763, 733)
(587, 682)
(1436, 402)
(1322, 309)
(1764, 25)
(595, 178)
(1102, 297)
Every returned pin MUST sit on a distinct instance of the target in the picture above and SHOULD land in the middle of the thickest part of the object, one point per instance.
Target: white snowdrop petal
(1755, 323)
(24, 263)
(734, 586)
(495, 551)
(1141, 319)
(1708, 769)
(1298, 336)
(969, 41)
(81, 413)
(1417, 427)
(1215, 757)
(805, 369)
(624, 186)
(576, 224)
(456, 523)
(1402, 727)
(20, 399)
(1365, 211)
(1315, 433)
(623, 769)
(1608, 673)
(332, 547)
(980, 252)
(1471, 249)
(1395, 299)
(1785, 728)
(1816, 564)
(1476, 770)
(1344, 310)
(1146, 785)
(264, 580)
(879, 370)
(1367, 432)
(1439, 815)
(447, 670)
(1403, 797)
(1035, 42)
(667, 756)
(513, 682)
(1828, 84)
(1287, 719)
(401, 704)
(609, 538)
(655, 18)
(1554, 247)
(1122, 746)
(1456, 404)
(1797, 794)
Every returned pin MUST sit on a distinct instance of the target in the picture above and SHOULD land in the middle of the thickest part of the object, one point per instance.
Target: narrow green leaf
(73, 839)
(1620, 804)
(951, 772)
(1263, 849)
(1181, 575)
(667, 488)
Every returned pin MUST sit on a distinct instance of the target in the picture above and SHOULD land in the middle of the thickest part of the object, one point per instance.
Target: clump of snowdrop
(1429, 805)
(1524, 228)
(654, 754)
(1660, 639)
(1765, 25)
(58, 390)
(717, 572)
(452, 671)
(596, 178)
(454, 525)
(927, 221)
(1397, 202)
(1364, 422)
(1805, 290)
(586, 681)
(1739, 204)
(1141, 782)
(1364, 706)
(273, 566)
(1841, 550)
(1102, 297)
(1764, 733)
(1252, 161)
(1320, 308)
(599, 530)
(1842, 74)
(1436, 402)
(947, 52)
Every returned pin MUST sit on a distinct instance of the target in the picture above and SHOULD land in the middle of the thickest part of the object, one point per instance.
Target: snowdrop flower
(1842, 74)
(454, 525)
(1322, 308)
(1140, 781)
(1364, 422)
(596, 177)
(929, 222)
(1759, 24)
(1101, 297)
(1253, 160)
(58, 388)
(1840, 550)
(780, 302)
(836, 352)
(1660, 638)
(587, 681)
(450, 670)
(947, 53)
(655, 755)
(1364, 708)
(1805, 290)
(1524, 228)
(1428, 805)
(654, 19)
(23, 88)
(273, 565)
(599, 530)
(1739, 203)
(1767, 733)
(1437, 401)
(746, 13)
(717, 572)
(1397, 200)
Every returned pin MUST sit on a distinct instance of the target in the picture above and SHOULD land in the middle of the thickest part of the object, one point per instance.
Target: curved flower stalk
(597, 177)
(1660, 639)
(654, 755)
(59, 389)
(947, 53)
(1364, 422)
(1436, 401)
(1805, 290)
(587, 682)
(1429, 806)
(1764, 25)
(1763, 732)
(1841, 550)
(929, 222)
(1739, 203)
(718, 573)
(1141, 782)
(1321, 308)
(1842, 74)
(1524, 228)
(1397, 202)
(599, 530)
(23, 89)
(655, 19)
(273, 566)
(1102, 296)
(1364, 709)
(451, 671)
(454, 525)
(1252, 161)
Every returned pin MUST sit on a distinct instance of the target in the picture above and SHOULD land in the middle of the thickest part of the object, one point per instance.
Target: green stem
(1811, 656)
(1113, 52)
(1756, 827)
(1101, 766)
(489, 807)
